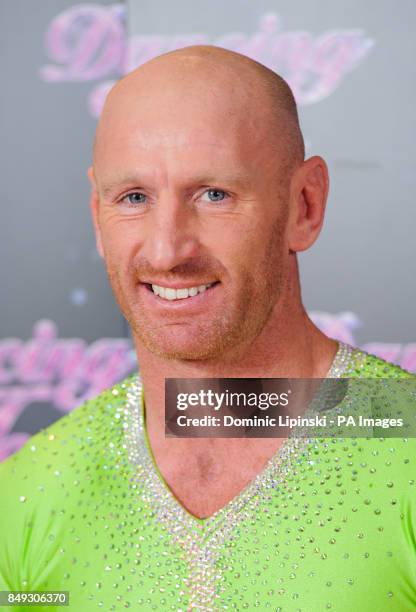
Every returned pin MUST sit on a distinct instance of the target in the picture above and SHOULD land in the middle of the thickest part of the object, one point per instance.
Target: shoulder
(382, 434)
(362, 364)
(43, 477)
(82, 428)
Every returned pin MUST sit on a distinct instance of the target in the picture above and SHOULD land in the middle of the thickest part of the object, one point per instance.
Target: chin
(182, 352)
(188, 348)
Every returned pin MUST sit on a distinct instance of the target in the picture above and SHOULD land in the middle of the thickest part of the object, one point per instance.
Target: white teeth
(168, 293)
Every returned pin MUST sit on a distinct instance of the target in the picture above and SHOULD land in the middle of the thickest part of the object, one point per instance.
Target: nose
(171, 234)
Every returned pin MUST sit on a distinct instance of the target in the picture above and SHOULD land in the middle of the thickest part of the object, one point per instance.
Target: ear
(94, 203)
(309, 192)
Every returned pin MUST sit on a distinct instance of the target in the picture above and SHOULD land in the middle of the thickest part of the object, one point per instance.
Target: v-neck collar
(200, 542)
(170, 510)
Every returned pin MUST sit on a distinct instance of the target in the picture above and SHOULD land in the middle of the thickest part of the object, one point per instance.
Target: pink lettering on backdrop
(66, 372)
(88, 42)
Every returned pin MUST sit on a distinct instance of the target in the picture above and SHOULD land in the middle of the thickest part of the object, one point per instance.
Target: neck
(289, 346)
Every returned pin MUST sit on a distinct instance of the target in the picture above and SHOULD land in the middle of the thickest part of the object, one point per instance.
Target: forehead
(185, 124)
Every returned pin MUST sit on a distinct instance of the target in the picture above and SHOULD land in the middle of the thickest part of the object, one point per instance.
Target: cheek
(248, 248)
(236, 238)
(267, 254)
(120, 239)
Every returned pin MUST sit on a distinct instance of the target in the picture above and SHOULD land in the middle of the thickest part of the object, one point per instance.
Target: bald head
(199, 181)
(243, 90)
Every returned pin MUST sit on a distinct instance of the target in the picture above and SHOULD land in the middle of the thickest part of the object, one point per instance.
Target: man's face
(193, 206)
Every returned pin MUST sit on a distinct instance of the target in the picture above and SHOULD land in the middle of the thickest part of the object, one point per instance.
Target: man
(201, 199)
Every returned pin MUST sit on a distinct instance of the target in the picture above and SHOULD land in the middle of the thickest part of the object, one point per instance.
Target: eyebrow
(236, 180)
(110, 187)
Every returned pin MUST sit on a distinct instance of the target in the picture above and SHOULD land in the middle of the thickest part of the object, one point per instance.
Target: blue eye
(135, 198)
(215, 195)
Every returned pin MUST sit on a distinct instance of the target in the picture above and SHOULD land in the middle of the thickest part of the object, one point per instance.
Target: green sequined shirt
(328, 524)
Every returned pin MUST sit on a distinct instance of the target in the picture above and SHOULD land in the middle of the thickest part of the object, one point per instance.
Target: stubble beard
(218, 336)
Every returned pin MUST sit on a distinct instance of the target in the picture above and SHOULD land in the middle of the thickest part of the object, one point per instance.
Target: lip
(178, 285)
(201, 300)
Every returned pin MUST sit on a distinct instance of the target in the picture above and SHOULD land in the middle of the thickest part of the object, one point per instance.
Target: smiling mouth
(171, 294)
